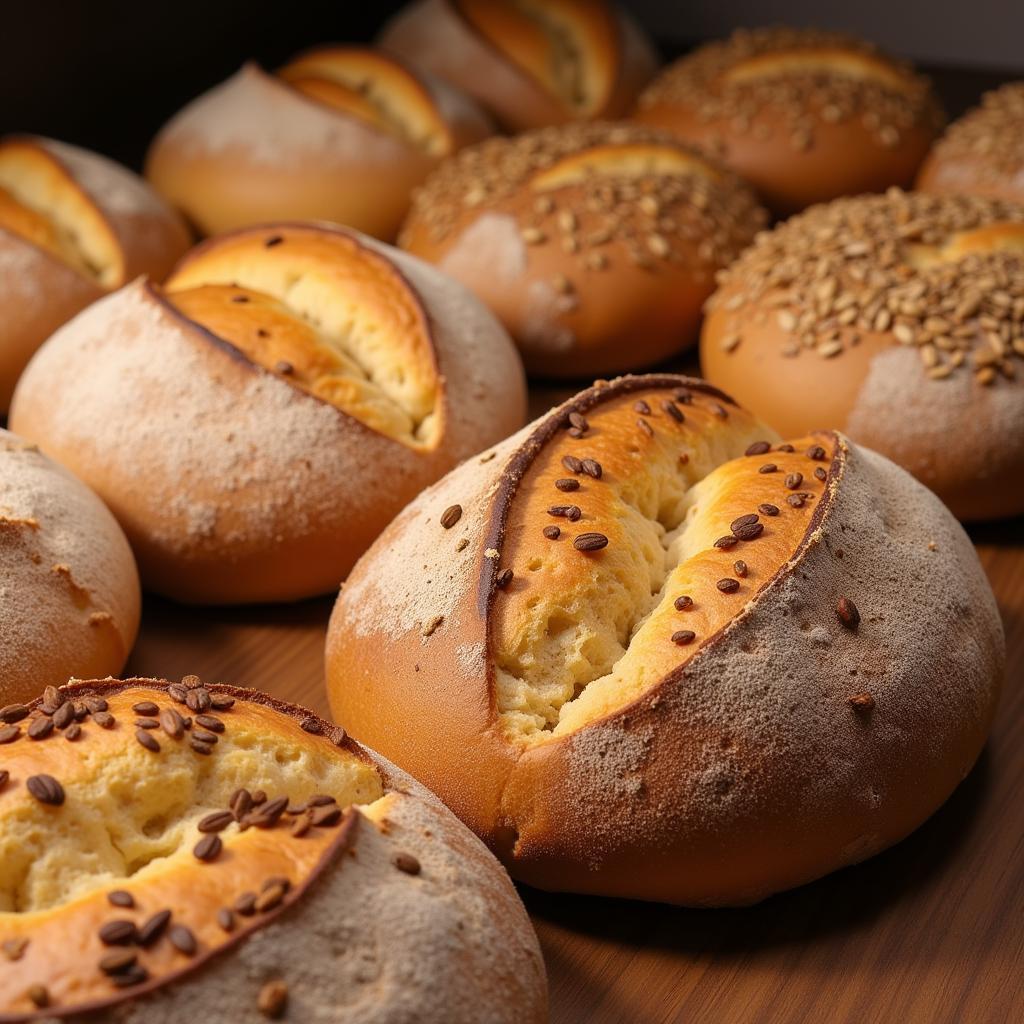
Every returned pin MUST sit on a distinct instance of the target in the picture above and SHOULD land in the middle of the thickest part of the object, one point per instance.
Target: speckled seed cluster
(991, 134)
(876, 264)
(654, 217)
(799, 99)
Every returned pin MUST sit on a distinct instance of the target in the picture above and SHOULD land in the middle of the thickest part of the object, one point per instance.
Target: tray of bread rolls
(505, 519)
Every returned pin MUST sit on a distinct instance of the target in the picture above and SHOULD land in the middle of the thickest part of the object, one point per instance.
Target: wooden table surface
(930, 931)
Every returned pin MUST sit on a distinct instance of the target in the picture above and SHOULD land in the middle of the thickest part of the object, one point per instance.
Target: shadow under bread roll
(671, 658)
(255, 424)
(73, 226)
(204, 848)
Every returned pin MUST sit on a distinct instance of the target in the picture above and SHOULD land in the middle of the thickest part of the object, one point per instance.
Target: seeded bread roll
(341, 133)
(804, 115)
(73, 225)
(209, 847)
(237, 421)
(898, 319)
(672, 659)
(595, 244)
(70, 589)
(981, 154)
(531, 63)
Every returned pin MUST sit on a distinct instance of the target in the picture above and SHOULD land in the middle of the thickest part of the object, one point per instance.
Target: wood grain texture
(930, 931)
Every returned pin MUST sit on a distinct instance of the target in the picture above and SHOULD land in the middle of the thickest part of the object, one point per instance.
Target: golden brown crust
(594, 243)
(72, 225)
(981, 153)
(531, 64)
(261, 830)
(340, 134)
(803, 115)
(72, 591)
(895, 318)
(242, 464)
(711, 770)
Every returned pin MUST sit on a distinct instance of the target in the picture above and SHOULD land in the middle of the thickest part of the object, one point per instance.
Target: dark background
(108, 74)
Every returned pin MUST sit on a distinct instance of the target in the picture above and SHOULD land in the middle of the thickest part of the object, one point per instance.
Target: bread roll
(898, 319)
(70, 589)
(658, 655)
(237, 422)
(73, 225)
(595, 244)
(804, 115)
(340, 133)
(199, 849)
(530, 63)
(982, 153)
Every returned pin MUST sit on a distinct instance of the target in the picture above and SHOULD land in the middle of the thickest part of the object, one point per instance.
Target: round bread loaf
(341, 133)
(982, 153)
(804, 115)
(73, 225)
(531, 63)
(237, 421)
(70, 589)
(898, 319)
(208, 847)
(595, 244)
(643, 650)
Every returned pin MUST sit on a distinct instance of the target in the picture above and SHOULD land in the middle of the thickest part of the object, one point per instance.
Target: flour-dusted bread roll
(255, 424)
(530, 63)
(340, 133)
(69, 596)
(982, 153)
(170, 850)
(803, 115)
(643, 649)
(898, 319)
(73, 225)
(596, 244)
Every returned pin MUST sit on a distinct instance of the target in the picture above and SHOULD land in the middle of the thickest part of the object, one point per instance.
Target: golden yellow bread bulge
(531, 63)
(256, 423)
(981, 153)
(73, 226)
(594, 243)
(340, 133)
(803, 115)
(70, 587)
(898, 319)
(643, 649)
(171, 846)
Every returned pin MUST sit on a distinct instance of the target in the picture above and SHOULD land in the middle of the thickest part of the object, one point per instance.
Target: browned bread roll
(595, 244)
(73, 225)
(898, 319)
(644, 650)
(804, 115)
(982, 153)
(237, 422)
(530, 63)
(340, 134)
(70, 589)
(209, 849)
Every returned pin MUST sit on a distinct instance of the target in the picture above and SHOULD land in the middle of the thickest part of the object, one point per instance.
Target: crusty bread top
(325, 313)
(805, 76)
(945, 274)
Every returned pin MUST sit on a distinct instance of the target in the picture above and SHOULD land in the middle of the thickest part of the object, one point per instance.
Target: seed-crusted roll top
(823, 317)
(594, 243)
(324, 313)
(532, 63)
(804, 115)
(672, 657)
(148, 829)
(982, 153)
